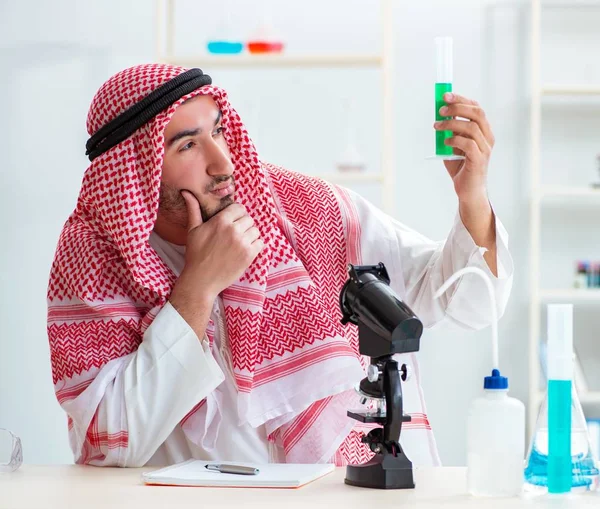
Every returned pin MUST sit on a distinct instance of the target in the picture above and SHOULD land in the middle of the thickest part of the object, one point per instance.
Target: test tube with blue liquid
(560, 375)
(443, 85)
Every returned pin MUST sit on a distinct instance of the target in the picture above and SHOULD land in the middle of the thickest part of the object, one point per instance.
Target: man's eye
(187, 146)
(218, 131)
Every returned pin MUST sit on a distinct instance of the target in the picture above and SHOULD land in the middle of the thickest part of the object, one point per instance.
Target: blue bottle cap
(495, 381)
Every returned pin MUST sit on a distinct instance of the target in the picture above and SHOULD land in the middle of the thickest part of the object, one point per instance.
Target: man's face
(196, 159)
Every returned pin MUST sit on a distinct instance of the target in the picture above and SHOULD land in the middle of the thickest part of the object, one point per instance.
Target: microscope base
(383, 471)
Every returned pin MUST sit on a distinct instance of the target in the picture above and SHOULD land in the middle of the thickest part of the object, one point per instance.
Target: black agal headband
(125, 124)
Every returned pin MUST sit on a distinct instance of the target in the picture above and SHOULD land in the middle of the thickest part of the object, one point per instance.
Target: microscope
(386, 326)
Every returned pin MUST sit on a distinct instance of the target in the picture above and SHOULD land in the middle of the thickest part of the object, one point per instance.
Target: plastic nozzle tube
(492, 295)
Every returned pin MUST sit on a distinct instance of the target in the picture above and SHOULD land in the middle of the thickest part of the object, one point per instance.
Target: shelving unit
(569, 295)
(569, 192)
(544, 197)
(569, 197)
(383, 61)
(283, 61)
(569, 90)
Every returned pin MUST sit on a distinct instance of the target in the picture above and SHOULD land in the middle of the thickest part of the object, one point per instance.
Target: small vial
(581, 276)
(591, 274)
(443, 84)
(595, 275)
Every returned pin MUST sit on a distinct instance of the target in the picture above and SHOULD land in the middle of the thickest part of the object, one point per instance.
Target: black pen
(233, 469)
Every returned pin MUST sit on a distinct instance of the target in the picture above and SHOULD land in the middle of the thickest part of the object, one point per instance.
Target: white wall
(54, 55)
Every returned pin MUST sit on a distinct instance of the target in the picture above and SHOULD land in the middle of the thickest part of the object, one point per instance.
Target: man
(193, 299)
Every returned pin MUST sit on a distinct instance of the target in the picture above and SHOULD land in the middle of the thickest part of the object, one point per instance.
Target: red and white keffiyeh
(294, 363)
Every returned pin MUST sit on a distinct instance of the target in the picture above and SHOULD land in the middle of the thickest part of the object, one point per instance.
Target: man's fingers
(471, 112)
(244, 223)
(233, 212)
(467, 145)
(467, 129)
(253, 234)
(193, 209)
(452, 98)
(258, 246)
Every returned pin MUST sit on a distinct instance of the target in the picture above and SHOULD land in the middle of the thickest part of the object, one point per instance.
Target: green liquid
(441, 149)
(559, 436)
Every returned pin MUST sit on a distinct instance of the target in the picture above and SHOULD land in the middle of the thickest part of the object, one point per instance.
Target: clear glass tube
(443, 59)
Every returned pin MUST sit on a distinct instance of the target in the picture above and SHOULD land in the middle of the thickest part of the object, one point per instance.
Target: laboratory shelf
(544, 199)
(569, 196)
(570, 295)
(570, 192)
(570, 90)
(571, 4)
(590, 397)
(276, 60)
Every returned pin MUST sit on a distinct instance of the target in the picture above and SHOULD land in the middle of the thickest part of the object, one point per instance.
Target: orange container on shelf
(262, 47)
(265, 38)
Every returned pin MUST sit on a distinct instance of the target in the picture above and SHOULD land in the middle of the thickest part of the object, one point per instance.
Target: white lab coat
(171, 360)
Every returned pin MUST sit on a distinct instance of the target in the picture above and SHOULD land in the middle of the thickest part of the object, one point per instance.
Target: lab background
(55, 55)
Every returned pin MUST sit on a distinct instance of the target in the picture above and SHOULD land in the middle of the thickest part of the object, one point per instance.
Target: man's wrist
(475, 201)
(191, 291)
(477, 216)
(193, 304)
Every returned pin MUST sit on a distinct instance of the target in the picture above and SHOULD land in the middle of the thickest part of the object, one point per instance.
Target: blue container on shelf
(224, 38)
(224, 47)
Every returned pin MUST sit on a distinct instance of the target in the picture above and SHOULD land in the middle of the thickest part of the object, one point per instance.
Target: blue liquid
(225, 47)
(581, 473)
(559, 436)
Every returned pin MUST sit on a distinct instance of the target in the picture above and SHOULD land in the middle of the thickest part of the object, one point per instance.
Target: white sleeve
(419, 266)
(143, 395)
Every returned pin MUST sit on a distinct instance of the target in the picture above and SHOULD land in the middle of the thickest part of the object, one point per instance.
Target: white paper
(274, 475)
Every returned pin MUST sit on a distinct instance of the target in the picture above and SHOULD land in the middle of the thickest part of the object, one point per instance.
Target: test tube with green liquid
(443, 84)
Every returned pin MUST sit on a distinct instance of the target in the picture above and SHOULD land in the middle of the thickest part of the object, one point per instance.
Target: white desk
(70, 486)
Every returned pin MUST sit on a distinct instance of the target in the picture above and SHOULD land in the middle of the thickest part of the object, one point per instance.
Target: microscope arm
(393, 403)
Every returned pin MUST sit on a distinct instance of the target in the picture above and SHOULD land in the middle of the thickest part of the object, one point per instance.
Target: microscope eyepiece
(386, 324)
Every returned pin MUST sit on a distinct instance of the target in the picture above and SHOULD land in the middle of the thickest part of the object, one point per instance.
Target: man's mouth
(224, 189)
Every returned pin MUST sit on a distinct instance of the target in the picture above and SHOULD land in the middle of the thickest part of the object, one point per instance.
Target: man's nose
(219, 162)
